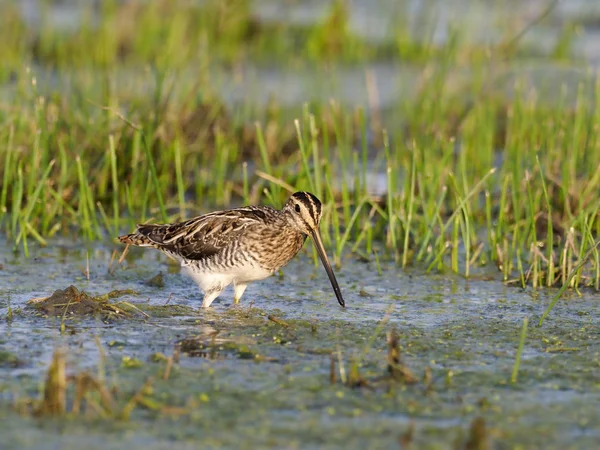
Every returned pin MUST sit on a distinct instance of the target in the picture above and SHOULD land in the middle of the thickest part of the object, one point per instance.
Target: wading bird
(239, 245)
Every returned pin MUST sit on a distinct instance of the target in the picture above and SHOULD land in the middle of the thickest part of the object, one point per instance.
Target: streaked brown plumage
(239, 245)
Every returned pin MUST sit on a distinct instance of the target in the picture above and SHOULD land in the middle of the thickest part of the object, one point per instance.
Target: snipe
(239, 245)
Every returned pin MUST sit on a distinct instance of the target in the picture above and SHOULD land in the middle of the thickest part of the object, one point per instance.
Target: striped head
(304, 212)
(304, 209)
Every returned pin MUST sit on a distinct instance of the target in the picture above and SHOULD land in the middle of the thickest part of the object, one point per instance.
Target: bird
(239, 245)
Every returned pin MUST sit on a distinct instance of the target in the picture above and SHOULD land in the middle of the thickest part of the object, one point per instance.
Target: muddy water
(259, 382)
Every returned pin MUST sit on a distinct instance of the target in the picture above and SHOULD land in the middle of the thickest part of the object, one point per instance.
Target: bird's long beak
(316, 237)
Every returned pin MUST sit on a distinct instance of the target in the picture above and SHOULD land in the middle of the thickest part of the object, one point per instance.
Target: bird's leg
(238, 291)
(209, 296)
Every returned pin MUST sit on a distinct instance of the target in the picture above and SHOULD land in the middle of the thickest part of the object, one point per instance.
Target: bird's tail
(136, 239)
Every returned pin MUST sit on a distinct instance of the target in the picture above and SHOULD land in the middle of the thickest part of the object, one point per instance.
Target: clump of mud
(73, 302)
(156, 281)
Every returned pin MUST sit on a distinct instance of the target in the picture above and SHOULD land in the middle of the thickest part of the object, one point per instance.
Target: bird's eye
(297, 208)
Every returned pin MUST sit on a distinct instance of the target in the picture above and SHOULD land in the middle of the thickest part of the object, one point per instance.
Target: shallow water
(261, 383)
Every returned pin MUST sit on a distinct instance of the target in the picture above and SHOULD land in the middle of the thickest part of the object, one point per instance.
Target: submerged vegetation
(124, 119)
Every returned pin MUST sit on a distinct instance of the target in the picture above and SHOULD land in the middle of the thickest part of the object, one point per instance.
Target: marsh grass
(474, 180)
(88, 395)
(515, 371)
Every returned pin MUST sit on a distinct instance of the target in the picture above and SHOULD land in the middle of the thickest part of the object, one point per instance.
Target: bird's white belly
(210, 280)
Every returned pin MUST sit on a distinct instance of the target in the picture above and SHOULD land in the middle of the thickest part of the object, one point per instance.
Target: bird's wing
(205, 236)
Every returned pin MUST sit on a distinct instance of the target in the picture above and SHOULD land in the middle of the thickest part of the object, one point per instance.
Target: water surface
(262, 383)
